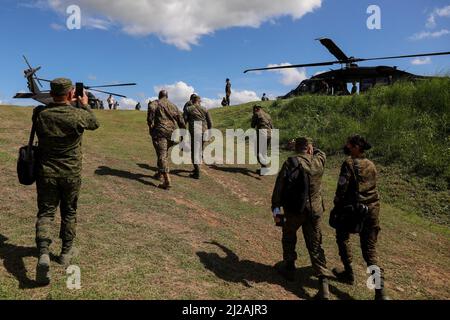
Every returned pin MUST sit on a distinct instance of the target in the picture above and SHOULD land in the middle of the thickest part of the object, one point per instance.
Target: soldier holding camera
(59, 128)
(298, 189)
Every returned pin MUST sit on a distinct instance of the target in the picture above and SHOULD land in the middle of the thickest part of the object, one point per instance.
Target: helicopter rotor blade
(333, 48)
(34, 70)
(26, 61)
(113, 94)
(405, 56)
(329, 63)
(112, 85)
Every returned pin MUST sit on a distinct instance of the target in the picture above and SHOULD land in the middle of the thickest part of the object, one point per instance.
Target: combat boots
(324, 289)
(345, 274)
(68, 252)
(43, 269)
(196, 173)
(158, 176)
(287, 270)
(167, 184)
(380, 294)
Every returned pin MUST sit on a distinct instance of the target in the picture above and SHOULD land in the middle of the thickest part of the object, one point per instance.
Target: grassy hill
(212, 239)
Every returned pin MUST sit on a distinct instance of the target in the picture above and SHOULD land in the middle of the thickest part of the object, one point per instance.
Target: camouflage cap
(303, 142)
(60, 86)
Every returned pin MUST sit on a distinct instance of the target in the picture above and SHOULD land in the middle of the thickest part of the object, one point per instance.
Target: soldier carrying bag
(27, 161)
(350, 218)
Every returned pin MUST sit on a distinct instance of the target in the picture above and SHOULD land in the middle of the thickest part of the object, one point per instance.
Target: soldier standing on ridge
(110, 101)
(195, 113)
(264, 97)
(228, 91)
(302, 208)
(262, 122)
(59, 128)
(163, 121)
(359, 176)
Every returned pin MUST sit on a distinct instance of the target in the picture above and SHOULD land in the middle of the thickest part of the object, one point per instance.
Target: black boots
(324, 289)
(43, 269)
(345, 274)
(287, 270)
(380, 294)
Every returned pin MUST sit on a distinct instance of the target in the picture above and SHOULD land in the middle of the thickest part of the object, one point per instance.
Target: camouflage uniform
(368, 195)
(59, 128)
(192, 114)
(262, 120)
(310, 219)
(163, 119)
(228, 93)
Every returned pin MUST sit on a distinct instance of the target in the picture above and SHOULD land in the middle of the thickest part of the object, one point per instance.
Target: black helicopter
(34, 85)
(334, 82)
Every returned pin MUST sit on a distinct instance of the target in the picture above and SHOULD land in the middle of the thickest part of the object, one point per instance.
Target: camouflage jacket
(165, 119)
(59, 128)
(262, 120)
(196, 113)
(151, 114)
(314, 166)
(366, 172)
(228, 89)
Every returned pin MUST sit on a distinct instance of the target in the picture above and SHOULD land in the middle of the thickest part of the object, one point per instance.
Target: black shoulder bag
(350, 218)
(27, 161)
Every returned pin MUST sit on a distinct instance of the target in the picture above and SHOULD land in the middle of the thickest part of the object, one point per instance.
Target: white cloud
(244, 96)
(209, 103)
(440, 12)
(421, 61)
(127, 104)
(292, 76)
(182, 23)
(430, 35)
(179, 92)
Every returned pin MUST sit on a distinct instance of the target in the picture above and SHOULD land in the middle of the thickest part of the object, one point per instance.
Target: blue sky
(154, 49)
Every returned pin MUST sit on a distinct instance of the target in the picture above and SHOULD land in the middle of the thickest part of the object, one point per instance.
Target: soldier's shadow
(245, 171)
(12, 257)
(107, 171)
(231, 269)
(176, 172)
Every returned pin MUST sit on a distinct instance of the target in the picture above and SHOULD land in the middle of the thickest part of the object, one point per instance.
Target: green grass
(407, 124)
(139, 242)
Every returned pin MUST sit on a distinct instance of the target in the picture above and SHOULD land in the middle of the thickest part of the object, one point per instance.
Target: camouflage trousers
(162, 146)
(368, 239)
(200, 145)
(313, 238)
(260, 156)
(227, 97)
(51, 193)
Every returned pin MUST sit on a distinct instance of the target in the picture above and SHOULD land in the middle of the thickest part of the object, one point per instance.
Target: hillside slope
(208, 239)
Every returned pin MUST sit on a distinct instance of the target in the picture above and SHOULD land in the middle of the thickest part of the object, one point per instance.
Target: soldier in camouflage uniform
(152, 105)
(228, 92)
(189, 103)
(193, 114)
(262, 122)
(163, 120)
(313, 162)
(59, 128)
(357, 169)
